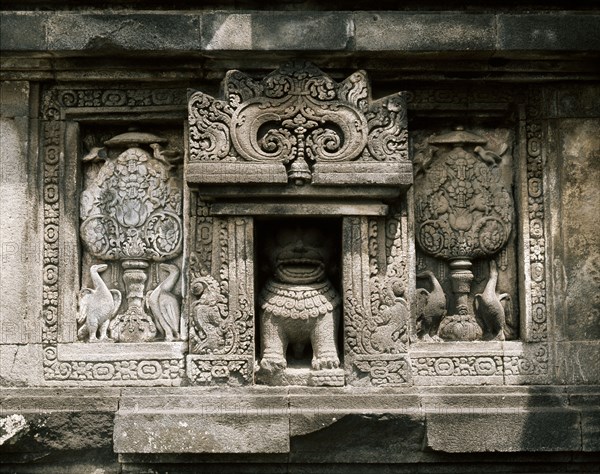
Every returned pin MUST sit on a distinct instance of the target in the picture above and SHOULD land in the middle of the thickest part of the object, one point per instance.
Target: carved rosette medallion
(131, 213)
(294, 121)
(464, 211)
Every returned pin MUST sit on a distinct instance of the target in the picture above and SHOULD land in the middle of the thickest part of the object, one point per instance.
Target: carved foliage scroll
(376, 306)
(295, 118)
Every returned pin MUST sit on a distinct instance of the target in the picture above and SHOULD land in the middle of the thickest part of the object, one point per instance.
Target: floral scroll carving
(220, 288)
(295, 118)
(377, 310)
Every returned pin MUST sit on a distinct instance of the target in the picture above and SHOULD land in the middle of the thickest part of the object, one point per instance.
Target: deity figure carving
(131, 214)
(298, 304)
(464, 211)
(97, 307)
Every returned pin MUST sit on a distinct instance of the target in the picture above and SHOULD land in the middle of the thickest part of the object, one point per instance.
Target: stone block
(318, 421)
(510, 430)
(399, 31)
(362, 437)
(20, 248)
(14, 99)
(22, 31)
(577, 362)
(49, 400)
(580, 154)
(560, 31)
(21, 365)
(227, 31)
(583, 101)
(201, 422)
(276, 31)
(113, 33)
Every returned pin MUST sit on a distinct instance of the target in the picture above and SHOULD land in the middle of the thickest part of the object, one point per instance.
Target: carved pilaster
(376, 307)
(222, 300)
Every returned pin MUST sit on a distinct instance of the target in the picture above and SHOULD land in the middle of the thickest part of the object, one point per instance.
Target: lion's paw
(272, 364)
(327, 361)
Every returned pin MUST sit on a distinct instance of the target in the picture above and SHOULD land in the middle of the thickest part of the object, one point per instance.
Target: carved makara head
(299, 254)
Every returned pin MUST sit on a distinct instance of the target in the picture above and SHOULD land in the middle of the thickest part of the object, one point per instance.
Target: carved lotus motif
(131, 209)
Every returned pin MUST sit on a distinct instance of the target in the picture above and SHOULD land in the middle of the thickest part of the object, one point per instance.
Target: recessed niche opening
(298, 275)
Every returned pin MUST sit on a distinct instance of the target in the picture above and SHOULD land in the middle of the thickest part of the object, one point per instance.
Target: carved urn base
(134, 325)
(460, 327)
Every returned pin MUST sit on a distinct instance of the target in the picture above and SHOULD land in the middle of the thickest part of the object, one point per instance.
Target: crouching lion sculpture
(298, 304)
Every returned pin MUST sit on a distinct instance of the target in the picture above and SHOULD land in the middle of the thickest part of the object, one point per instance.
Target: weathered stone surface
(559, 32)
(475, 430)
(275, 31)
(21, 365)
(201, 422)
(387, 31)
(300, 30)
(20, 248)
(577, 362)
(453, 404)
(580, 156)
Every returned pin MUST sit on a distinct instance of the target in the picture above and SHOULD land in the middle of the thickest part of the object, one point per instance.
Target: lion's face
(300, 255)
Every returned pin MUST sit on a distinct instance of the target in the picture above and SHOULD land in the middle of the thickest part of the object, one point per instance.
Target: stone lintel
(308, 209)
(212, 33)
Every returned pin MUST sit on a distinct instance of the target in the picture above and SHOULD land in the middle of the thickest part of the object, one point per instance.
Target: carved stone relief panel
(297, 125)
(131, 222)
(508, 119)
(464, 220)
(120, 203)
(296, 144)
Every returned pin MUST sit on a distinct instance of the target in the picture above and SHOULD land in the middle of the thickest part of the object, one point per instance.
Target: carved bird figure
(489, 309)
(96, 154)
(166, 157)
(489, 157)
(164, 305)
(431, 307)
(97, 306)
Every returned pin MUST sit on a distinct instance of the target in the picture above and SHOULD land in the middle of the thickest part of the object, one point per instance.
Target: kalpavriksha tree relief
(296, 238)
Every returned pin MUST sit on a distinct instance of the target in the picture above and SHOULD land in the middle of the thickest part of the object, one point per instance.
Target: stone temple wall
(299, 237)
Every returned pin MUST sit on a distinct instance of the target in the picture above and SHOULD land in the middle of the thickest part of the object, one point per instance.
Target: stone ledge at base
(338, 424)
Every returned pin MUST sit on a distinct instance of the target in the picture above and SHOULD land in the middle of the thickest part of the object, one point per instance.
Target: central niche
(299, 251)
(299, 302)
